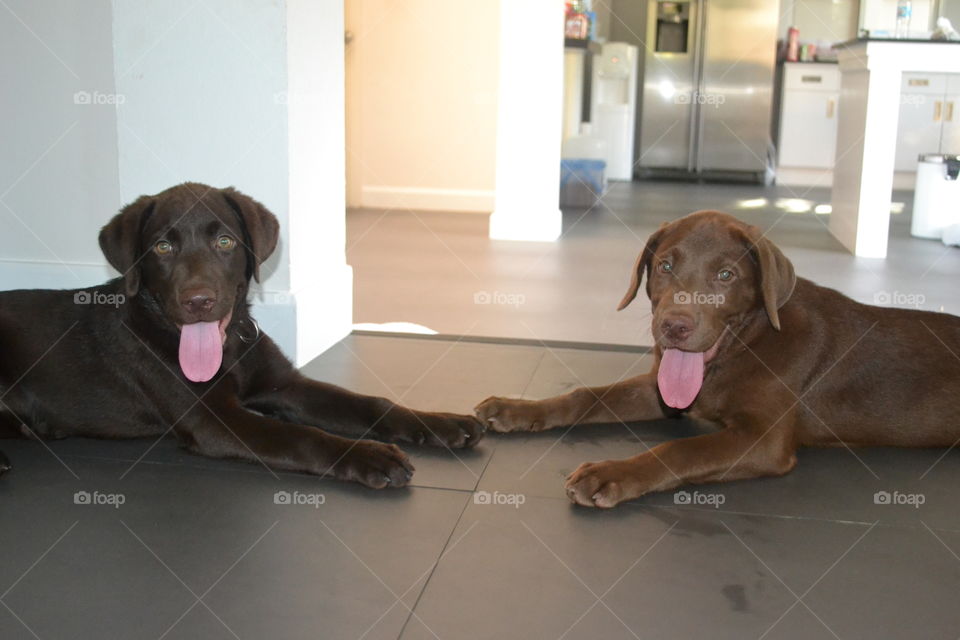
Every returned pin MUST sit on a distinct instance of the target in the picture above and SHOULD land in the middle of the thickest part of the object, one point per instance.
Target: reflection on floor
(440, 270)
(485, 545)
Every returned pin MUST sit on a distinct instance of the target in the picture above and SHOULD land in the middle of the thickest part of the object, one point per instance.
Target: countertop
(856, 41)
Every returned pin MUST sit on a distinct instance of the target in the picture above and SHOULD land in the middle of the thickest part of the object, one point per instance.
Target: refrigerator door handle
(697, 117)
(693, 153)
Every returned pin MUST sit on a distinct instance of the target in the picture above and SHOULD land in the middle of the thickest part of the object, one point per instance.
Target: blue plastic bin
(582, 182)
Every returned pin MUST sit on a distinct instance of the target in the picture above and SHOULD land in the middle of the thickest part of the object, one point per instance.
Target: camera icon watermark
(95, 498)
(514, 300)
(296, 498)
(98, 98)
(915, 500)
(497, 498)
(698, 297)
(899, 299)
(697, 498)
(98, 297)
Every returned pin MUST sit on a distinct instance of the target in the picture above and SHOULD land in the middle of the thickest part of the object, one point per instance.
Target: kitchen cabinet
(929, 122)
(929, 110)
(950, 137)
(808, 123)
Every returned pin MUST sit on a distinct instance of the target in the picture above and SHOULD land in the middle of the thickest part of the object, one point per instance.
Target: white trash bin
(936, 200)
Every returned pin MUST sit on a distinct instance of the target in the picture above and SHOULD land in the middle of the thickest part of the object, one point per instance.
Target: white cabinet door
(808, 129)
(950, 137)
(921, 118)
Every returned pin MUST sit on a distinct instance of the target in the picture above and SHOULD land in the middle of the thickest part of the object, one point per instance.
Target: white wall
(58, 160)
(246, 94)
(422, 83)
(205, 101)
(829, 20)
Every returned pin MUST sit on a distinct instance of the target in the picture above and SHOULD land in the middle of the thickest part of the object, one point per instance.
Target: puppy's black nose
(677, 328)
(198, 301)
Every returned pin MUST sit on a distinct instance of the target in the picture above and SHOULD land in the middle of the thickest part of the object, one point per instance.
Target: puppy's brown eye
(163, 248)
(725, 275)
(665, 267)
(226, 243)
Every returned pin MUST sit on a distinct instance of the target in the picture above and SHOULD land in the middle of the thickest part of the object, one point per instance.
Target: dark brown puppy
(774, 360)
(171, 346)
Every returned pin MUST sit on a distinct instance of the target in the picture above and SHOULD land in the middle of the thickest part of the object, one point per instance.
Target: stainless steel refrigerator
(708, 87)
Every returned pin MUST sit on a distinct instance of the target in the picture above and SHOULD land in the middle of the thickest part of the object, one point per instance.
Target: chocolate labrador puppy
(171, 346)
(775, 361)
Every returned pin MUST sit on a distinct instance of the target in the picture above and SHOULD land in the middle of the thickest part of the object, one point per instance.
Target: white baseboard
(23, 274)
(904, 180)
(802, 177)
(425, 198)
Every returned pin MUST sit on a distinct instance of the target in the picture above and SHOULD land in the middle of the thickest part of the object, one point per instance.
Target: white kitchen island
(867, 133)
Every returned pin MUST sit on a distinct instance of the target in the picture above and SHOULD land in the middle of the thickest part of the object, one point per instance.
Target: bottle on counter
(793, 44)
(904, 13)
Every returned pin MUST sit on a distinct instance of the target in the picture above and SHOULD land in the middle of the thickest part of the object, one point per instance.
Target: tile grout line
(533, 374)
(466, 505)
(433, 570)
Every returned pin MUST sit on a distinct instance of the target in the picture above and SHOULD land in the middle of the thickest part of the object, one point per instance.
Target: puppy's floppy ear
(261, 228)
(642, 264)
(777, 278)
(120, 241)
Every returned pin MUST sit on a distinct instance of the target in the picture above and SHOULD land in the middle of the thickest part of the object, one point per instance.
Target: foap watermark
(914, 500)
(96, 498)
(303, 98)
(913, 99)
(698, 297)
(497, 498)
(696, 498)
(899, 298)
(296, 498)
(499, 298)
(98, 98)
(702, 98)
(98, 297)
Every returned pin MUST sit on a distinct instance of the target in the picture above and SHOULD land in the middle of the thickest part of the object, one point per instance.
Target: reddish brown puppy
(775, 361)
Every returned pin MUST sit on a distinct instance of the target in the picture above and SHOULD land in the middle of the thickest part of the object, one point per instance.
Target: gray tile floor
(200, 549)
(426, 268)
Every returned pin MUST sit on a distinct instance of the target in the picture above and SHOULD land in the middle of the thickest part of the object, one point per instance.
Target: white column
(529, 121)
(321, 280)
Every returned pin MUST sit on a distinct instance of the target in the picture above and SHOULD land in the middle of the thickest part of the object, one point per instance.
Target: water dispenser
(614, 105)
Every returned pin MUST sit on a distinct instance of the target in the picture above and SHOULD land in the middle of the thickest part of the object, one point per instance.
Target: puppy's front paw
(511, 414)
(374, 464)
(447, 430)
(603, 484)
(452, 430)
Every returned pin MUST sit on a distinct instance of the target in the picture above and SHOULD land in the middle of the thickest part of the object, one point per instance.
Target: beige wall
(421, 103)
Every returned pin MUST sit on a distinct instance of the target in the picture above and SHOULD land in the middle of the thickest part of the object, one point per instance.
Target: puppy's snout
(677, 328)
(198, 301)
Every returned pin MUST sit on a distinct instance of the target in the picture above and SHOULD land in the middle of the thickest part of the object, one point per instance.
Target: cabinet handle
(937, 110)
(949, 117)
(831, 107)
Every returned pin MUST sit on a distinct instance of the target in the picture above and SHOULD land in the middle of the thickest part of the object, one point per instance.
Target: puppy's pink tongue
(201, 350)
(680, 377)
